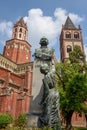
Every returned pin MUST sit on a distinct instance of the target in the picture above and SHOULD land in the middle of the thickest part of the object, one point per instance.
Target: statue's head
(44, 42)
(44, 68)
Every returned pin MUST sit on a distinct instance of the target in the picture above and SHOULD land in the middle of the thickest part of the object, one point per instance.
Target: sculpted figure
(50, 102)
(44, 53)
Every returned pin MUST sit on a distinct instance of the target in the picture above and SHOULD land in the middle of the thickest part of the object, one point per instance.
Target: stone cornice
(13, 67)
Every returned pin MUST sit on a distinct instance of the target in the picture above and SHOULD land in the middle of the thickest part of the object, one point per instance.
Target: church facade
(16, 72)
(16, 68)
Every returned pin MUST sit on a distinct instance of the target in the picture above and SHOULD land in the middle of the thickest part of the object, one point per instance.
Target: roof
(69, 24)
(21, 23)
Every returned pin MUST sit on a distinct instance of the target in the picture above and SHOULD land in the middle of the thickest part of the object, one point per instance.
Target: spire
(69, 24)
(21, 23)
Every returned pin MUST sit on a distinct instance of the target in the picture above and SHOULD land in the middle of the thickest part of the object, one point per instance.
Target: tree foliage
(72, 84)
(77, 56)
(72, 87)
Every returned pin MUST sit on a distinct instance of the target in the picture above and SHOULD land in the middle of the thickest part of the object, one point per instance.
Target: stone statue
(50, 98)
(44, 53)
(50, 102)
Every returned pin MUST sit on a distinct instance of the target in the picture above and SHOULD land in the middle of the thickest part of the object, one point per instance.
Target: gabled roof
(69, 24)
(21, 23)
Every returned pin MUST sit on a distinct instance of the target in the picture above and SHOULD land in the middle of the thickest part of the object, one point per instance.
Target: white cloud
(40, 25)
(75, 18)
(6, 28)
(5, 33)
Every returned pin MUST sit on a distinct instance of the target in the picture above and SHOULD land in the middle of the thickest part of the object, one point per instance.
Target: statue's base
(32, 120)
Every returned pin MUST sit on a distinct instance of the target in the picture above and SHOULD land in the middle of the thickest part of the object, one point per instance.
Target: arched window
(76, 35)
(20, 29)
(14, 35)
(19, 35)
(68, 35)
(69, 48)
(15, 29)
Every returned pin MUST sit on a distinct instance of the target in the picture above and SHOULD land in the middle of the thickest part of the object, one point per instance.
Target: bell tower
(20, 30)
(69, 37)
(18, 49)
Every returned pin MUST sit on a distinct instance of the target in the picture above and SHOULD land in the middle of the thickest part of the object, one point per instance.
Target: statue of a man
(44, 53)
(50, 102)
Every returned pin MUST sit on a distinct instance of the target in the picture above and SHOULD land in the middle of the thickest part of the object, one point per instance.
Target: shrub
(47, 128)
(5, 119)
(21, 121)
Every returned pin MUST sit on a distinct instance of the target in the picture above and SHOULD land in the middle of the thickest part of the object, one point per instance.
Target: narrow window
(20, 29)
(69, 48)
(19, 35)
(14, 35)
(68, 35)
(15, 29)
(76, 35)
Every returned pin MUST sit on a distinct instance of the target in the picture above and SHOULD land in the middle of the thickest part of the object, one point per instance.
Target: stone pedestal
(32, 119)
(37, 94)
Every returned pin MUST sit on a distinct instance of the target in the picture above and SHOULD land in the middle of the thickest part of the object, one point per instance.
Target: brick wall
(15, 92)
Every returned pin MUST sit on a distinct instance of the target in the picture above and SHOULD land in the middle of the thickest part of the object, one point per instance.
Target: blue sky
(44, 18)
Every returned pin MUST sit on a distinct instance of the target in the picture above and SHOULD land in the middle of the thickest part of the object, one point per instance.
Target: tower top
(21, 23)
(20, 30)
(69, 24)
(18, 49)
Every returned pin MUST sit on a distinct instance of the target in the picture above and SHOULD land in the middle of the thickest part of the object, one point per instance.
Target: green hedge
(80, 128)
(5, 119)
(21, 121)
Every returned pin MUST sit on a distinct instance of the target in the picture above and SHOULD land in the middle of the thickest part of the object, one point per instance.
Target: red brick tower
(18, 49)
(70, 36)
(16, 72)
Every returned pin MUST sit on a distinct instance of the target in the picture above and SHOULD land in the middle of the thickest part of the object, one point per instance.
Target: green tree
(77, 56)
(72, 87)
(72, 84)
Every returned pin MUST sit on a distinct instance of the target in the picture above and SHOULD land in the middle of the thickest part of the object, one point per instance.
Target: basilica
(17, 70)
